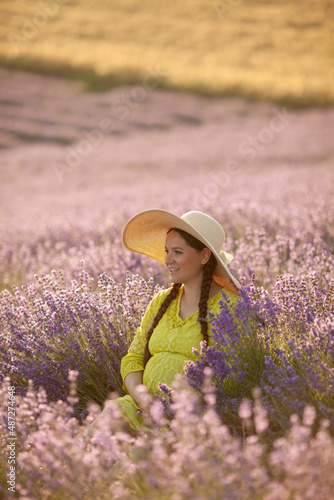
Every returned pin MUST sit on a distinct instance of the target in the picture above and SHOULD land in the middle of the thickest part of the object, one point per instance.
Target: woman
(176, 320)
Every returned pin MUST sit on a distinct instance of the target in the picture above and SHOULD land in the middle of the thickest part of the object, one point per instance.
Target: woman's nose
(168, 259)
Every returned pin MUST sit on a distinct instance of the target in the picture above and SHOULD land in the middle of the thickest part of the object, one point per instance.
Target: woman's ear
(206, 253)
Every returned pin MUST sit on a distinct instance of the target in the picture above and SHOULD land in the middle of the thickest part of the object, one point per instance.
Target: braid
(163, 308)
(203, 301)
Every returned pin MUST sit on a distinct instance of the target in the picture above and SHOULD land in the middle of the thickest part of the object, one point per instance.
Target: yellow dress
(171, 344)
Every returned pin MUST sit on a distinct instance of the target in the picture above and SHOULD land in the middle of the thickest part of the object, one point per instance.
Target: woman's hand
(132, 382)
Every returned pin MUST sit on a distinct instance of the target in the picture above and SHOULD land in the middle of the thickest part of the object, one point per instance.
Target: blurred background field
(257, 49)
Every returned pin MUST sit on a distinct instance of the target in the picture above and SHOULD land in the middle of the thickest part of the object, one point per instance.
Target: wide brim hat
(146, 232)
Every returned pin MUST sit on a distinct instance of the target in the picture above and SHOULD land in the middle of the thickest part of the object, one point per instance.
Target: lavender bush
(197, 457)
(49, 329)
(283, 344)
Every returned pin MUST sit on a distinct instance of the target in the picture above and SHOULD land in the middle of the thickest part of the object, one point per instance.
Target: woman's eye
(178, 252)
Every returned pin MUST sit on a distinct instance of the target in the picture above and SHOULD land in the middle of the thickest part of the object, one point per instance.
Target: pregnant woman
(176, 320)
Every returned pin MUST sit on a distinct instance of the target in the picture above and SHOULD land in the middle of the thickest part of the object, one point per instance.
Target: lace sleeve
(134, 359)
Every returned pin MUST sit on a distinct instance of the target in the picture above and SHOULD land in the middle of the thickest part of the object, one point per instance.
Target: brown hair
(208, 269)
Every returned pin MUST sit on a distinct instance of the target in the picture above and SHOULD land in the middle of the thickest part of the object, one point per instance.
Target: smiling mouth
(173, 270)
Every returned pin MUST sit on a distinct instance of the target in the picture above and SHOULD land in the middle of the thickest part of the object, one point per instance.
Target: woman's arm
(131, 382)
(133, 361)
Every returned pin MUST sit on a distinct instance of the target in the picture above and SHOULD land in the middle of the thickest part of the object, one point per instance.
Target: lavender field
(75, 166)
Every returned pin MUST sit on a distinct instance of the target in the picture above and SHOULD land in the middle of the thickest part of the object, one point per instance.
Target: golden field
(270, 50)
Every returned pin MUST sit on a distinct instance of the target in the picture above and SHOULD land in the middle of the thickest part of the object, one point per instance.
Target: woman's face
(184, 263)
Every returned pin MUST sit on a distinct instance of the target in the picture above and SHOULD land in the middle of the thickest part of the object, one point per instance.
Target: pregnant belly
(162, 368)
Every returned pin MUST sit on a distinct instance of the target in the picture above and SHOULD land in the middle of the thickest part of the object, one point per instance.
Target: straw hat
(145, 233)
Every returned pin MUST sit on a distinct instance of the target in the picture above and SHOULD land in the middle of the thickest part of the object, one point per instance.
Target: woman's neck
(192, 292)
(190, 299)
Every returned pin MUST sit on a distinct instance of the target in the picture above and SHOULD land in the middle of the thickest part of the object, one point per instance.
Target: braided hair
(208, 269)
(163, 308)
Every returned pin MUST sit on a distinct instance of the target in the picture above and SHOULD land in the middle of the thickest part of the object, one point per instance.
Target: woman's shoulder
(159, 297)
(154, 306)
